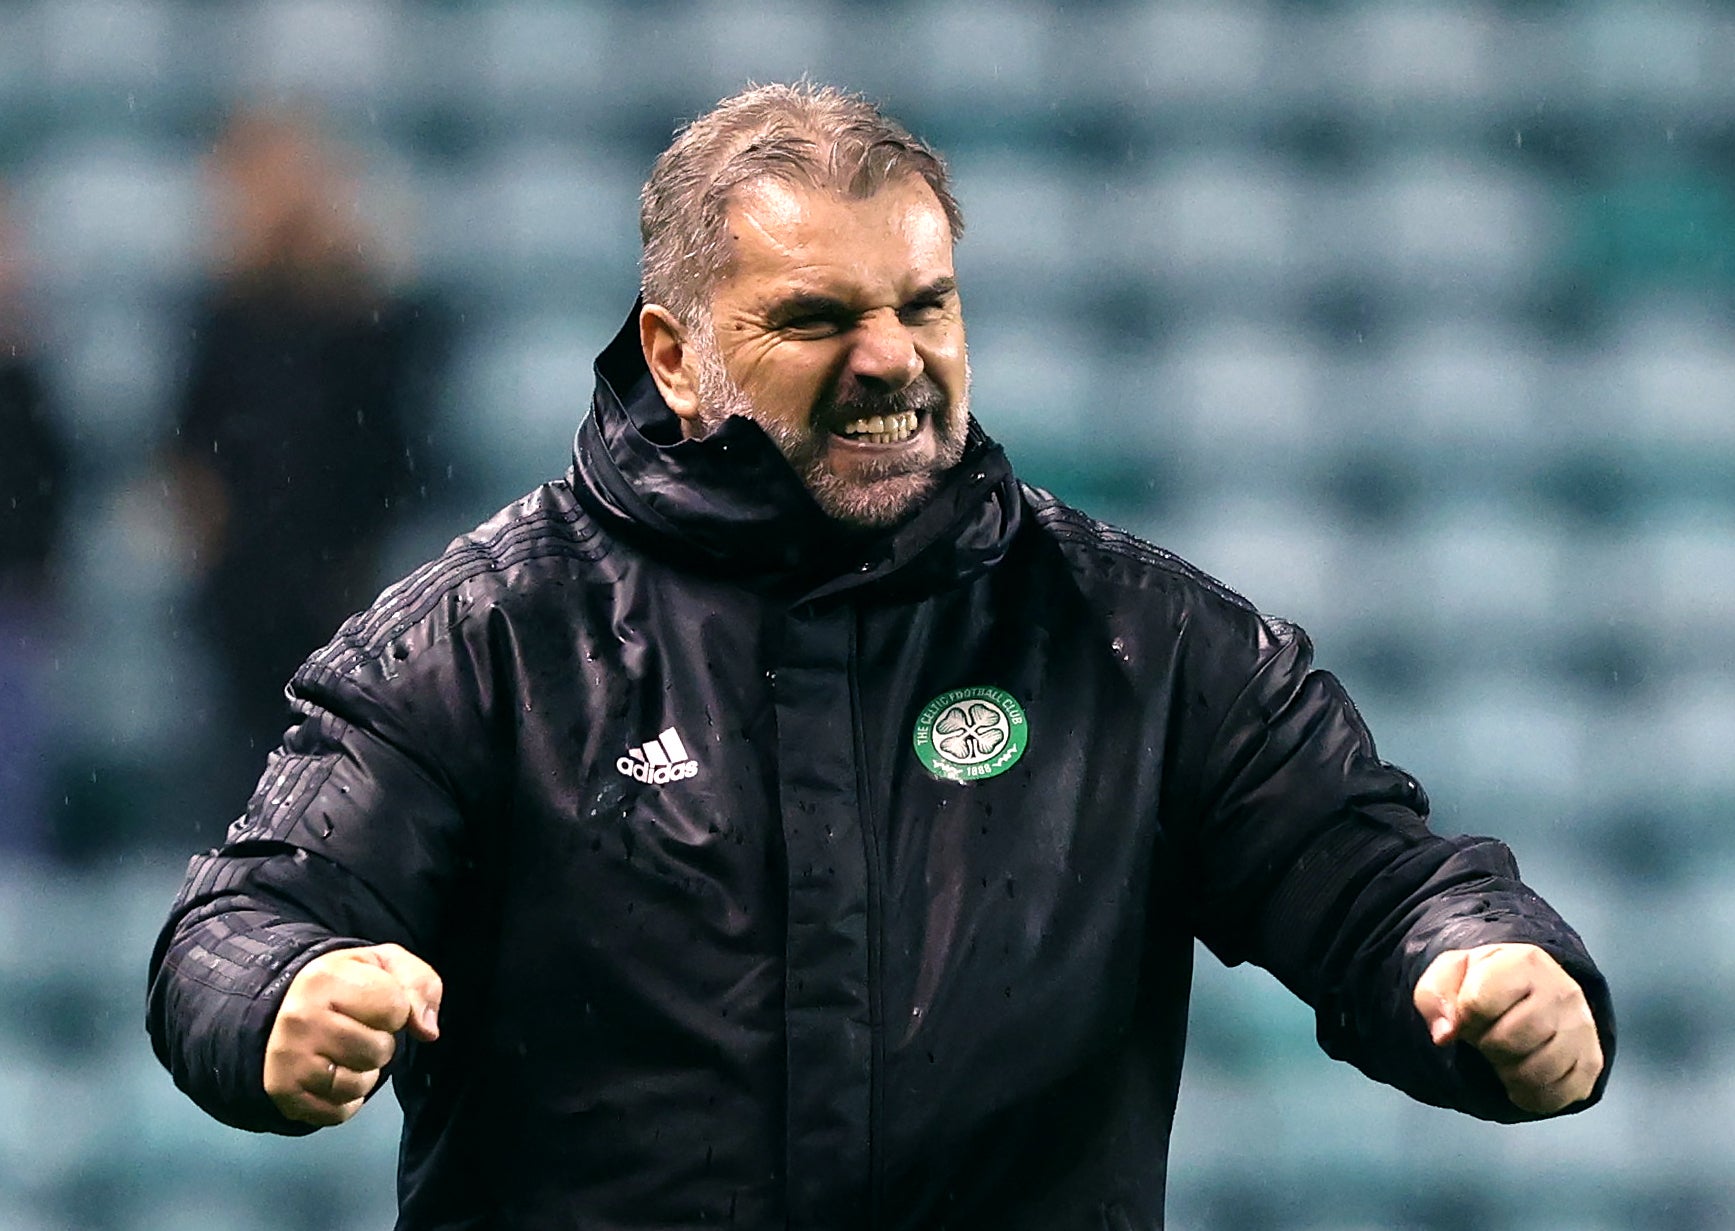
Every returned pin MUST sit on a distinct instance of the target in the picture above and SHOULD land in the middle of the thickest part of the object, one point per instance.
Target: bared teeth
(882, 429)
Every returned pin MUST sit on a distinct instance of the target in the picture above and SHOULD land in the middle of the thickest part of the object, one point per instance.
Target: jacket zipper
(875, 909)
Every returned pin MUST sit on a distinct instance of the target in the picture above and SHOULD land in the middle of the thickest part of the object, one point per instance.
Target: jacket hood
(731, 504)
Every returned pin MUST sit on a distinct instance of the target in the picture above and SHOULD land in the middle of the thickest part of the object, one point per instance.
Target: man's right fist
(334, 1031)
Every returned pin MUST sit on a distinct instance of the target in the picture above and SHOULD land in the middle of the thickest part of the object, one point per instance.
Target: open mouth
(882, 429)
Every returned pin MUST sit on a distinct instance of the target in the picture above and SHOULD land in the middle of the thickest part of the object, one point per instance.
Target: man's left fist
(1515, 1005)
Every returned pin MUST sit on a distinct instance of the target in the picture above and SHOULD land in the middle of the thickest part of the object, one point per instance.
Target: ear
(671, 362)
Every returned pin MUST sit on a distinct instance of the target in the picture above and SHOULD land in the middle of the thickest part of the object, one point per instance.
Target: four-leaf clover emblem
(971, 731)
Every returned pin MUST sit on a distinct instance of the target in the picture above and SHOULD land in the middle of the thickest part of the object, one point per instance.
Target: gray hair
(808, 135)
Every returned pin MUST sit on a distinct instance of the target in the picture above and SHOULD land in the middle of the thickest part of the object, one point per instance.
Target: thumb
(1436, 996)
(421, 983)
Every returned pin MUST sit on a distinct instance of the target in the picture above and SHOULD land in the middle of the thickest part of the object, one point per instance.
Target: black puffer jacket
(780, 877)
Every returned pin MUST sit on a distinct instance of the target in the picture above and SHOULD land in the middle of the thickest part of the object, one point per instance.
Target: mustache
(922, 396)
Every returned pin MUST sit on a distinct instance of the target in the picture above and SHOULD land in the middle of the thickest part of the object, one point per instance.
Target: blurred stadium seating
(1411, 319)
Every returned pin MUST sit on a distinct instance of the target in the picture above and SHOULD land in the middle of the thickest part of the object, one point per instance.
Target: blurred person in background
(789, 819)
(34, 464)
(295, 438)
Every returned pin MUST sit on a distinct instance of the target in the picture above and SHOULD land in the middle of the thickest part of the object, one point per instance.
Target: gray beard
(880, 494)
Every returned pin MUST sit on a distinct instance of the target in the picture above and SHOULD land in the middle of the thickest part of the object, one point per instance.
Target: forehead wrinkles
(769, 159)
(813, 239)
(787, 203)
(776, 213)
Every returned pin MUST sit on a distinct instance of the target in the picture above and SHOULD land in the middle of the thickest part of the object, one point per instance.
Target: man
(35, 466)
(790, 820)
(294, 433)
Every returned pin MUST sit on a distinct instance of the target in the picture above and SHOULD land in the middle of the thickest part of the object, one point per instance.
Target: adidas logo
(663, 759)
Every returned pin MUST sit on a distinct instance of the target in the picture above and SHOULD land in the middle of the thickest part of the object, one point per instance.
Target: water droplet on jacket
(325, 825)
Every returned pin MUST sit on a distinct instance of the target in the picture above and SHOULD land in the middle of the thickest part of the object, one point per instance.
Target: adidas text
(658, 761)
(656, 774)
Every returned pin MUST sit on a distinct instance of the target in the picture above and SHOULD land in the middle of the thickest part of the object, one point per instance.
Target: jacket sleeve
(1313, 858)
(352, 837)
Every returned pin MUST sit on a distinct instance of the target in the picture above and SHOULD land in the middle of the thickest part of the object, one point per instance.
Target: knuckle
(369, 1051)
(1476, 1006)
(353, 1085)
(360, 977)
(322, 973)
(305, 990)
(1507, 1042)
(1543, 1068)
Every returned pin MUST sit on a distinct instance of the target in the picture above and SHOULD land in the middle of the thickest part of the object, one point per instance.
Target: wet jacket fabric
(635, 767)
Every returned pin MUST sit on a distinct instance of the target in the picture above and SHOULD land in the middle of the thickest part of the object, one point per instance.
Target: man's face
(837, 330)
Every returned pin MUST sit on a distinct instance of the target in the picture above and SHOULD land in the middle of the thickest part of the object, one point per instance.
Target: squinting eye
(813, 326)
(920, 313)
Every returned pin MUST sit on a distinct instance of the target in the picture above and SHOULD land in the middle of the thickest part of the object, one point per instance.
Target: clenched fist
(334, 1031)
(1518, 1007)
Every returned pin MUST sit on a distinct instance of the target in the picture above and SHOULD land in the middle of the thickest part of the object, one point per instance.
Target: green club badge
(971, 733)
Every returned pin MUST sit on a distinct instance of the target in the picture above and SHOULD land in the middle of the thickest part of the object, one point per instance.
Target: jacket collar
(731, 505)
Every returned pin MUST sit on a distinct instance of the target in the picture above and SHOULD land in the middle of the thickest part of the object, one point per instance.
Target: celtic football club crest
(971, 733)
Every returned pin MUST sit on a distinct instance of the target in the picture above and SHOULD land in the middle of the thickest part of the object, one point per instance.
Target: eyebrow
(815, 303)
(939, 288)
(807, 303)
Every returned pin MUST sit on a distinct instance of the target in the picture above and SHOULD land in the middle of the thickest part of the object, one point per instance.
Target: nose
(884, 354)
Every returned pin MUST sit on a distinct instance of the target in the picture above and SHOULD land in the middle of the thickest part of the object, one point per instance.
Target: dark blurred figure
(295, 439)
(33, 479)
